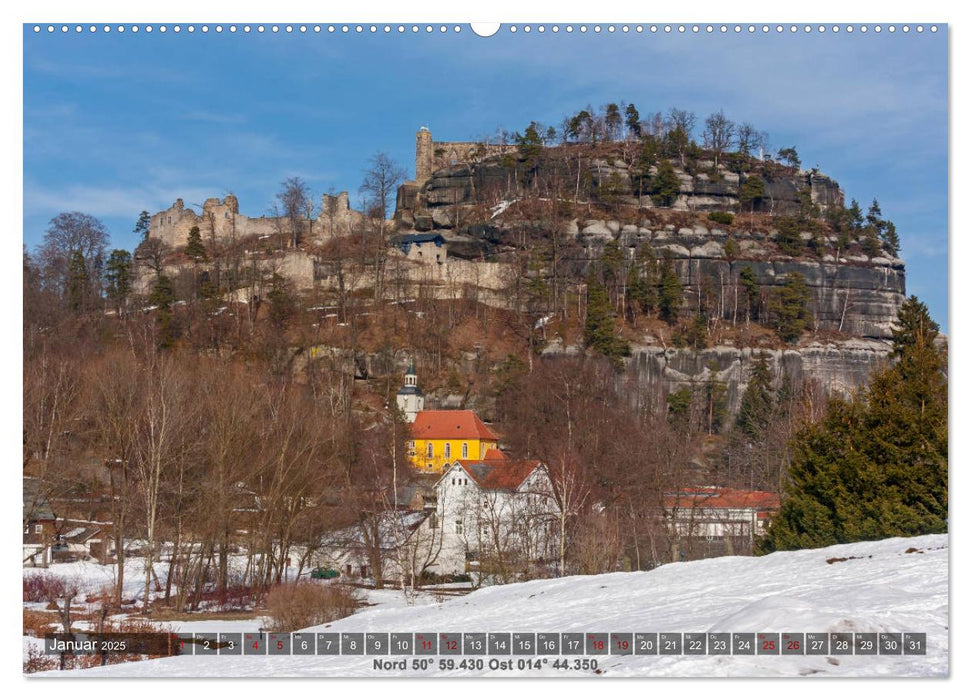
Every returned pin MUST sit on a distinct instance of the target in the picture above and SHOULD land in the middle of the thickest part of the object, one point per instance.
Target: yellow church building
(439, 438)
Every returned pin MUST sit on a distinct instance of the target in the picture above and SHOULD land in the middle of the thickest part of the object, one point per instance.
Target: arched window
(430, 452)
(465, 450)
(448, 450)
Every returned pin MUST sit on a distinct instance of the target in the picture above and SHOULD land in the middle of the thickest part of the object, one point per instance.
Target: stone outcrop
(465, 184)
(837, 367)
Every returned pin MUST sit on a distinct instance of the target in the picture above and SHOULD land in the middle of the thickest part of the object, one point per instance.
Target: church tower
(410, 399)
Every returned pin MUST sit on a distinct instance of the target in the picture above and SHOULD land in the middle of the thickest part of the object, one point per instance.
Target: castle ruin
(220, 220)
(431, 156)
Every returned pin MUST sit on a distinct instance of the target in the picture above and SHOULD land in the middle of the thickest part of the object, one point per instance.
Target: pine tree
(875, 466)
(599, 330)
(855, 215)
(790, 308)
(758, 401)
(671, 295)
(789, 238)
(77, 282)
(697, 335)
(118, 276)
(751, 192)
(143, 225)
(890, 239)
(633, 121)
(194, 248)
(665, 185)
(752, 292)
(716, 400)
(162, 297)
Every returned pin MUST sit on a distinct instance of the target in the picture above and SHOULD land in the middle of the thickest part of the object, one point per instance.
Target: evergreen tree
(890, 239)
(671, 295)
(647, 157)
(162, 297)
(752, 292)
(874, 216)
(855, 215)
(530, 144)
(790, 156)
(679, 407)
(665, 185)
(731, 248)
(633, 121)
(875, 466)
(143, 225)
(789, 238)
(194, 248)
(790, 308)
(118, 276)
(716, 400)
(612, 121)
(758, 401)
(599, 330)
(78, 286)
(751, 192)
(697, 335)
(871, 243)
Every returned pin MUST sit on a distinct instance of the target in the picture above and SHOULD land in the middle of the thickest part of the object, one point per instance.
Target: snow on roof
(457, 425)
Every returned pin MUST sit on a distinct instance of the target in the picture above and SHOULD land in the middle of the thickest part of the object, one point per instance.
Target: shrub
(37, 623)
(721, 217)
(294, 606)
(40, 588)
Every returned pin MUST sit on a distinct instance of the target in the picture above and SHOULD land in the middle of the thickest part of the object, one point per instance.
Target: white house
(496, 516)
(717, 520)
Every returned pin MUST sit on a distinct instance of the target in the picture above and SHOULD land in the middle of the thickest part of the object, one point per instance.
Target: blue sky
(116, 123)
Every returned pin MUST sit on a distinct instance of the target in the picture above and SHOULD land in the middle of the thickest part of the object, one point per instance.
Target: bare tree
(718, 134)
(295, 203)
(381, 180)
(73, 256)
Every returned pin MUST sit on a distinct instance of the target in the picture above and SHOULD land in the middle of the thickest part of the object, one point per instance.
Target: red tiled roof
(716, 497)
(439, 425)
(493, 454)
(506, 474)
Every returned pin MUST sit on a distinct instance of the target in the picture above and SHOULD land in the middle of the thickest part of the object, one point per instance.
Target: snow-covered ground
(863, 587)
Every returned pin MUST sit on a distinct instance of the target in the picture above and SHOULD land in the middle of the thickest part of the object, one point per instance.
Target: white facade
(498, 529)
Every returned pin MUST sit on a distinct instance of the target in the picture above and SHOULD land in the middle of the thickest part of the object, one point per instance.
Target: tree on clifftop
(665, 185)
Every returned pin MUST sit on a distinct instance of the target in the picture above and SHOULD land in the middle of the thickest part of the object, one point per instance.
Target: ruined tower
(424, 154)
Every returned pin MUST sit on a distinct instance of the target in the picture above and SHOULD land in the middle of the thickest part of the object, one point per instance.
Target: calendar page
(533, 349)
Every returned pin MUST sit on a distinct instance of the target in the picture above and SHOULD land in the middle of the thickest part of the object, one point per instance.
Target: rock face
(837, 367)
(857, 300)
(855, 295)
(467, 184)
